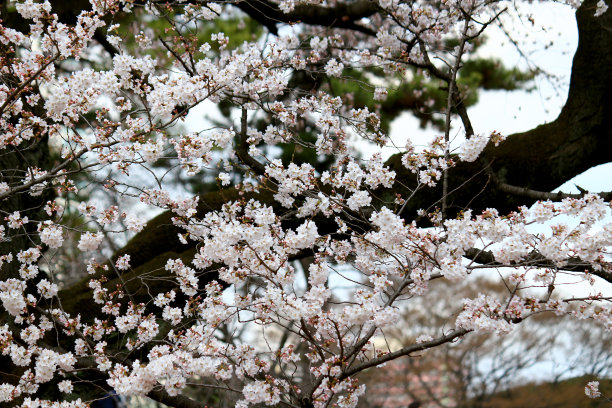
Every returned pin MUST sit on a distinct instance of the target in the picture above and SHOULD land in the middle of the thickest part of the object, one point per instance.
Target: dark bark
(340, 16)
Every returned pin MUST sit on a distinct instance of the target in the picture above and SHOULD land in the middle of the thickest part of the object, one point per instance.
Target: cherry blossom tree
(277, 286)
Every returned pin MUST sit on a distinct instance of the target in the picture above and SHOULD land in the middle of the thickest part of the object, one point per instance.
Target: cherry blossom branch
(538, 195)
(34, 76)
(177, 57)
(588, 299)
(404, 352)
(242, 151)
(53, 173)
(449, 105)
(535, 259)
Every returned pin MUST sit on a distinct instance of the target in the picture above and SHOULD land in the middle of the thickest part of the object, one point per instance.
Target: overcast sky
(550, 44)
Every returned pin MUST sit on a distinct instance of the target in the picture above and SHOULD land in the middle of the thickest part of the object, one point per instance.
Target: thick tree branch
(243, 150)
(179, 401)
(539, 195)
(342, 15)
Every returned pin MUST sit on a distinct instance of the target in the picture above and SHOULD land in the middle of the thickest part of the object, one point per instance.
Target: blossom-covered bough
(310, 263)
